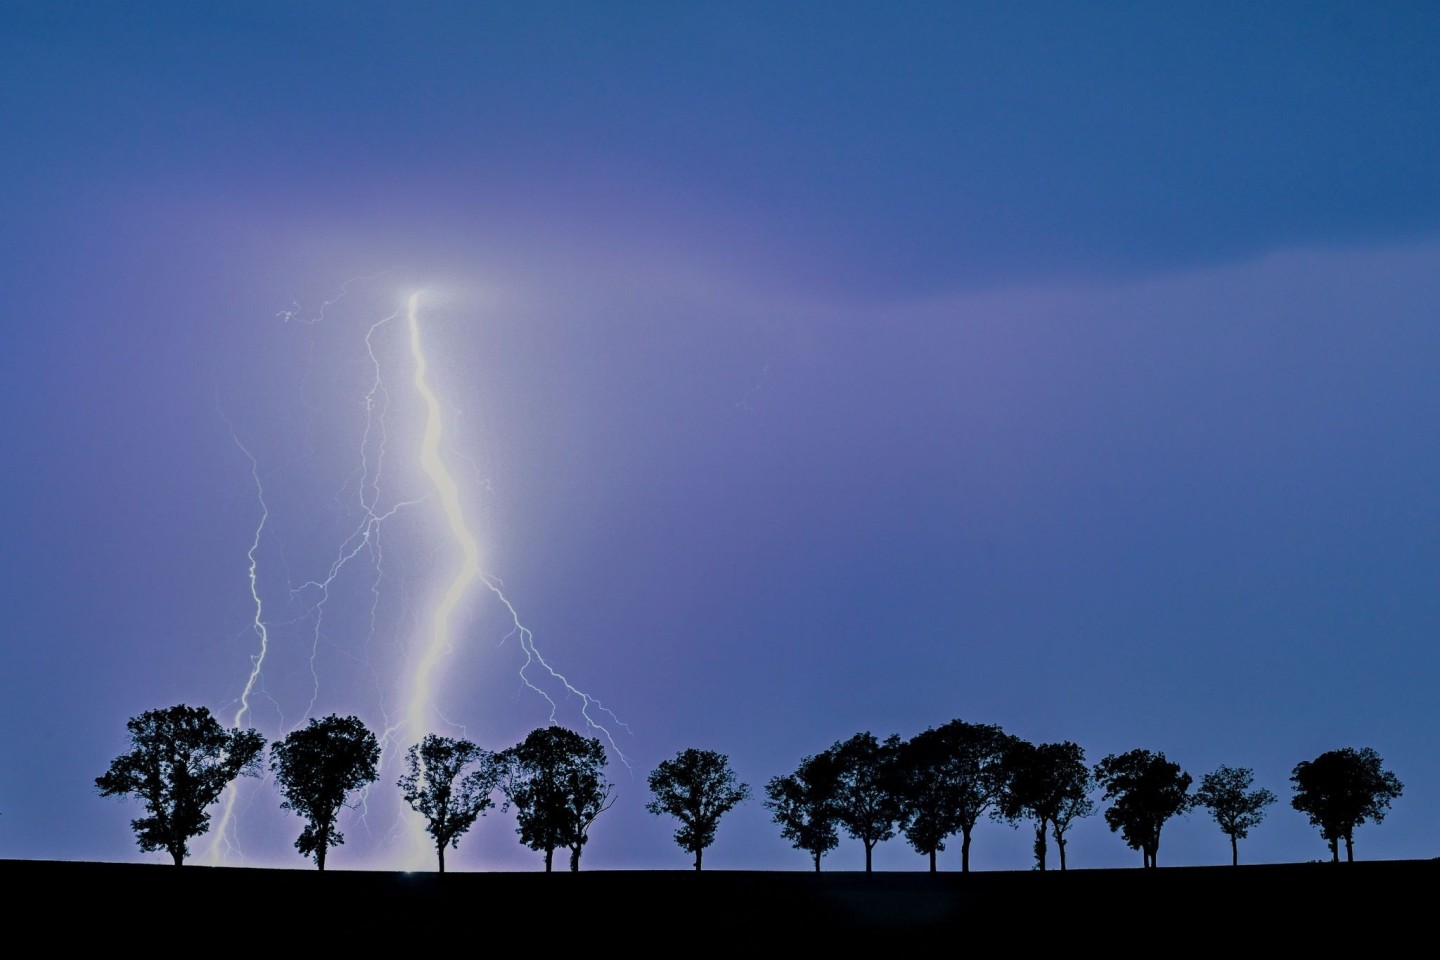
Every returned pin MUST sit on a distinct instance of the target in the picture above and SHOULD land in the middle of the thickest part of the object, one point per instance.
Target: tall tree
(803, 804)
(1341, 789)
(1147, 790)
(969, 770)
(316, 768)
(926, 814)
(867, 803)
(450, 783)
(555, 780)
(1050, 784)
(1227, 794)
(179, 762)
(697, 788)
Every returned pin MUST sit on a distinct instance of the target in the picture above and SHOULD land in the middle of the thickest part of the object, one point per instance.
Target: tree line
(941, 783)
(932, 788)
(181, 758)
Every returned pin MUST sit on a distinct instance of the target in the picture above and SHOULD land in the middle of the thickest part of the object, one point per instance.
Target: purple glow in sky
(804, 369)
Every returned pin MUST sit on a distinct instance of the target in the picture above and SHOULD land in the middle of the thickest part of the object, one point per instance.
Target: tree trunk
(868, 847)
(699, 855)
(574, 859)
(1234, 851)
(1040, 844)
(179, 854)
(932, 861)
(965, 851)
(1334, 849)
(1060, 843)
(549, 859)
(817, 860)
(440, 849)
(1349, 850)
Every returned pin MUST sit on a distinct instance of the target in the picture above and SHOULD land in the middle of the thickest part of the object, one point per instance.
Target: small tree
(1147, 790)
(180, 761)
(434, 787)
(803, 804)
(1236, 808)
(867, 804)
(697, 788)
(1341, 789)
(1050, 784)
(555, 780)
(316, 769)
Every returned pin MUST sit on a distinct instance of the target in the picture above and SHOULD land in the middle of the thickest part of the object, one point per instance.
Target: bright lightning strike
(470, 571)
(348, 635)
(418, 709)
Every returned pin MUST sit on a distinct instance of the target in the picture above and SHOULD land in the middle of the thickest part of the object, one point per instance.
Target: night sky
(805, 369)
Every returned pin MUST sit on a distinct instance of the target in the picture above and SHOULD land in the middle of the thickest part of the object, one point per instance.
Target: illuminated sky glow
(790, 371)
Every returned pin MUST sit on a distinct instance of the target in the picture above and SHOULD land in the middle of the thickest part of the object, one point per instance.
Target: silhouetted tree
(867, 803)
(697, 788)
(969, 769)
(180, 761)
(1341, 789)
(316, 768)
(1236, 808)
(803, 804)
(1148, 790)
(1050, 784)
(926, 814)
(555, 780)
(437, 786)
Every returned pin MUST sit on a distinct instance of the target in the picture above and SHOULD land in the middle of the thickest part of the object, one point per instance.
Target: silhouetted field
(1221, 908)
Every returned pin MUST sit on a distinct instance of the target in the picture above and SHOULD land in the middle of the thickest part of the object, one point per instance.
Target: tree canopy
(1050, 784)
(867, 804)
(803, 804)
(316, 768)
(1342, 789)
(926, 817)
(1148, 790)
(1227, 794)
(555, 780)
(438, 786)
(697, 788)
(180, 761)
(968, 764)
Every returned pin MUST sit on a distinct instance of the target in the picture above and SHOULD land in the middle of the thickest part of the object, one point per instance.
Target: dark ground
(1381, 904)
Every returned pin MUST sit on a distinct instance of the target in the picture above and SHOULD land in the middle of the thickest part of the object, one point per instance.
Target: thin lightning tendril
(224, 841)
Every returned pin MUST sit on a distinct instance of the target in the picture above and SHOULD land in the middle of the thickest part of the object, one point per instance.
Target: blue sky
(807, 369)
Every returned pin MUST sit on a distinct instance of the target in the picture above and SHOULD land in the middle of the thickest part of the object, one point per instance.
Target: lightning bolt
(408, 700)
(470, 571)
(224, 841)
(421, 695)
